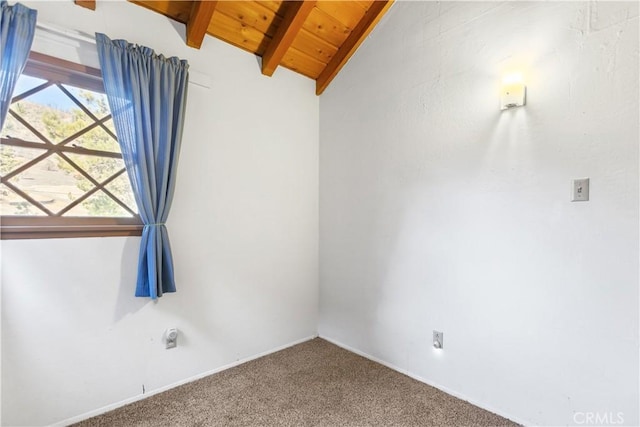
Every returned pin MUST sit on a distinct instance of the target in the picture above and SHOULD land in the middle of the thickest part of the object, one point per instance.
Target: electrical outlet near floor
(171, 338)
(438, 339)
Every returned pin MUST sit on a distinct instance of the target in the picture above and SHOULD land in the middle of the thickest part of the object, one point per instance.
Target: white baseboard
(139, 397)
(122, 403)
(424, 380)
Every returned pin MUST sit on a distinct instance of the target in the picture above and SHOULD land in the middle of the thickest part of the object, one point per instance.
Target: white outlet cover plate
(580, 190)
(438, 337)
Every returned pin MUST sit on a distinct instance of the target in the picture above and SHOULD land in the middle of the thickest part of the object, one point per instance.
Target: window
(61, 170)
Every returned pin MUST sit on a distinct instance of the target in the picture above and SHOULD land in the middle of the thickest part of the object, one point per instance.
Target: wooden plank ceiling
(313, 38)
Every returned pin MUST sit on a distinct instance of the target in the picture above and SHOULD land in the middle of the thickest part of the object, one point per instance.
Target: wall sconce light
(513, 92)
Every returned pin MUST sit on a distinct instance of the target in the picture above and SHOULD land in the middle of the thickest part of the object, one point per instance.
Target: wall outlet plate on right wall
(580, 190)
(438, 340)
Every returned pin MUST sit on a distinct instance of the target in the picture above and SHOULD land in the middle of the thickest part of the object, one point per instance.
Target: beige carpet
(311, 384)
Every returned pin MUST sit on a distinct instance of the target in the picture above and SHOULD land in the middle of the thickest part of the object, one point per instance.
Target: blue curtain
(147, 94)
(17, 28)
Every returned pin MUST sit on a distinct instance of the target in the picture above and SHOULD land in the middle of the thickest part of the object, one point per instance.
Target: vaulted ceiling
(313, 38)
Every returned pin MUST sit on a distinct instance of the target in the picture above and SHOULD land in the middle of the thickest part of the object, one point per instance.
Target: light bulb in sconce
(436, 344)
(512, 92)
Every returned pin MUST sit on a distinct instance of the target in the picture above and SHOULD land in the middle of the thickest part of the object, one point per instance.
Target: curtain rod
(195, 77)
(72, 34)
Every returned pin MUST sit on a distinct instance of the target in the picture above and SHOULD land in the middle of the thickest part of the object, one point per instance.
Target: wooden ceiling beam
(360, 32)
(295, 15)
(89, 4)
(201, 13)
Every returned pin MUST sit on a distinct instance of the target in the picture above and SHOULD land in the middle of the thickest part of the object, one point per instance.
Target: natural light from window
(59, 154)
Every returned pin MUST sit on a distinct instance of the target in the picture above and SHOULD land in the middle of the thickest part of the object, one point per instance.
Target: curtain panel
(147, 95)
(17, 29)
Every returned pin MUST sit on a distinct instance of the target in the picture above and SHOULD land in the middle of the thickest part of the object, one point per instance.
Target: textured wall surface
(243, 227)
(438, 211)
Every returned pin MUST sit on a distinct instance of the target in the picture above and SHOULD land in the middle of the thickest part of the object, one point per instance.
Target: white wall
(438, 211)
(244, 231)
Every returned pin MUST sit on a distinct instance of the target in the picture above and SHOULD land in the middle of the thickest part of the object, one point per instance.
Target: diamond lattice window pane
(95, 102)
(100, 168)
(61, 180)
(97, 139)
(111, 126)
(12, 158)
(52, 182)
(26, 83)
(121, 188)
(98, 204)
(14, 129)
(52, 113)
(12, 204)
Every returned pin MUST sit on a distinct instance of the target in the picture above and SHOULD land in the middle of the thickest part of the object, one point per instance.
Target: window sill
(13, 228)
